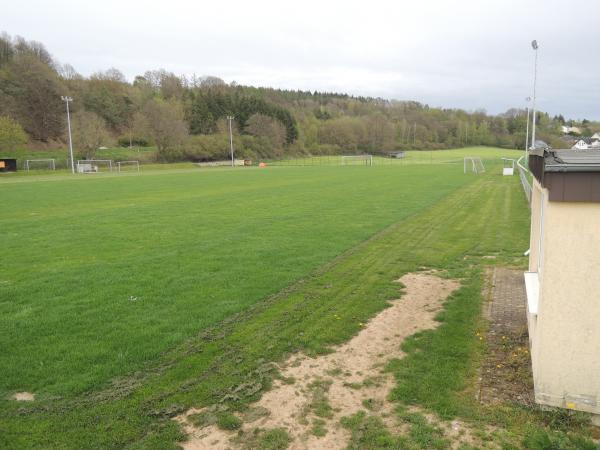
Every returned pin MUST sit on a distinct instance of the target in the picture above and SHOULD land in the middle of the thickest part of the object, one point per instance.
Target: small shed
(8, 165)
(563, 285)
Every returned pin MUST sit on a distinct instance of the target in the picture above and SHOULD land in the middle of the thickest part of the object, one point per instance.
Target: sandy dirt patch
(24, 397)
(338, 384)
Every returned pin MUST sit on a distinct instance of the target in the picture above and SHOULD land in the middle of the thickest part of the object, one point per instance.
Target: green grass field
(127, 299)
(192, 248)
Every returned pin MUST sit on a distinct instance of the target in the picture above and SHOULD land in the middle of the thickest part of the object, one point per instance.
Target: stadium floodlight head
(534, 44)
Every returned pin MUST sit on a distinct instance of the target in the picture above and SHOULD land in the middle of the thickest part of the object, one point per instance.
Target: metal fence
(524, 180)
(405, 158)
(334, 160)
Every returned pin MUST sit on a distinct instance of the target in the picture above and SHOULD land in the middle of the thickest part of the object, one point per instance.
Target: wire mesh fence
(398, 159)
(524, 175)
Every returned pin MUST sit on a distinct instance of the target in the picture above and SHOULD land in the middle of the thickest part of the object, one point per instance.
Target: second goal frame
(474, 164)
(347, 159)
(120, 164)
(50, 161)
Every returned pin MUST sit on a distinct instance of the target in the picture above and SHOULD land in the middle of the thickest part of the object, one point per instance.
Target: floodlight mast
(67, 100)
(528, 99)
(534, 46)
(230, 119)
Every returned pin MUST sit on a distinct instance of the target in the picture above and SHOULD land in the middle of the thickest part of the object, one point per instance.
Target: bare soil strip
(315, 393)
(24, 397)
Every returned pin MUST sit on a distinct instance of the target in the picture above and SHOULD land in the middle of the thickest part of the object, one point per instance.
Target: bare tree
(68, 72)
(30, 91)
(346, 132)
(164, 122)
(89, 133)
(167, 83)
(263, 126)
(111, 74)
(210, 82)
(380, 132)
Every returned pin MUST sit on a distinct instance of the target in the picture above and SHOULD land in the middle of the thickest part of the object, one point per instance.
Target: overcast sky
(463, 53)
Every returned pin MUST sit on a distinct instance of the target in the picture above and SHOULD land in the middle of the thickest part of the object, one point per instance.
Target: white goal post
(94, 165)
(473, 164)
(123, 165)
(357, 160)
(49, 163)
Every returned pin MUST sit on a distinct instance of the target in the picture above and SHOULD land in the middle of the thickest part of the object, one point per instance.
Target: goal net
(473, 164)
(357, 160)
(94, 165)
(128, 166)
(40, 164)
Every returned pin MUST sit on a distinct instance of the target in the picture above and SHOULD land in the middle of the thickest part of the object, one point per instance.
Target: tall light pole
(528, 99)
(534, 45)
(67, 100)
(230, 119)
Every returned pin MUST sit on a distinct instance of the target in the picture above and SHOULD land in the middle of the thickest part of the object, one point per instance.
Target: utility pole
(534, 46)
(528, 99)
(67, 100)
(403, 129)
(230, 119)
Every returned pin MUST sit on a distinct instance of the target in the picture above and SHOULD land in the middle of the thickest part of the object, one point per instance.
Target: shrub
(125, 141)
(203, 147)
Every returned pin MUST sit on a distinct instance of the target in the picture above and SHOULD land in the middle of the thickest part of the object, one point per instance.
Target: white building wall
(565, 334)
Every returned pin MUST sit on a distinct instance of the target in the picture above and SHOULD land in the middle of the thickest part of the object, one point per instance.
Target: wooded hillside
(185, 117)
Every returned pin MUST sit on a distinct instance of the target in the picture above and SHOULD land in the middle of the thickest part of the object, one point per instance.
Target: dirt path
(316, 392)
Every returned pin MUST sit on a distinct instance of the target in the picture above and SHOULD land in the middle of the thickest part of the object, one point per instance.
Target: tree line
(185, 117)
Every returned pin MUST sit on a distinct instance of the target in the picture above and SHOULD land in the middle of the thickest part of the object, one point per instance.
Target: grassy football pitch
(127, 299)
(101, 275)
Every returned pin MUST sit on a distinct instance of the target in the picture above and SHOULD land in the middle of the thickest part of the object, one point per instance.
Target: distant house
(596, 135)
(570, 130)
(581, 144)
(586, 144)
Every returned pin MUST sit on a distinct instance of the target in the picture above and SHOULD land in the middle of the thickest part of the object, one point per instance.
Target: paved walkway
(507, 313)
(506, 369)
